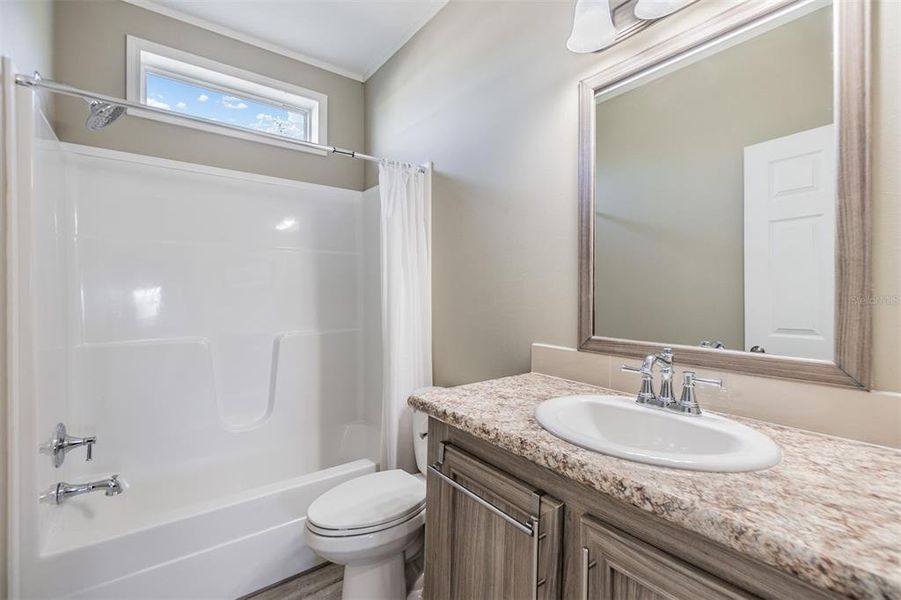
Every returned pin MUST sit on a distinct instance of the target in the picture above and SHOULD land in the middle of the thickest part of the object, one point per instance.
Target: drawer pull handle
(536, 538)
(587, 565)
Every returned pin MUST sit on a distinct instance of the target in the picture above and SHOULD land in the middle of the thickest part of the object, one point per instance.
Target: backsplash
(873, 417)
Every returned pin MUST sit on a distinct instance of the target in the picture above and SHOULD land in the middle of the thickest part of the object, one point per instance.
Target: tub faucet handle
(61, 443)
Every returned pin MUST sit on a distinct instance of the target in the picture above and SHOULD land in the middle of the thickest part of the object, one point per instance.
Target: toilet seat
(367, 504)
(361, 531)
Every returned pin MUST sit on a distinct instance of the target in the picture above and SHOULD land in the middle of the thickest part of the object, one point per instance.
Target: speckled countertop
(829, 513)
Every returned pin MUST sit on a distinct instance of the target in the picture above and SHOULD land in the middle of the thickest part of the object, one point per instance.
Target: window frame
(143, 57)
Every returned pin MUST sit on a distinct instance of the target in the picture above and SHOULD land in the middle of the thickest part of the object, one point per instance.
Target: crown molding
(251, 40)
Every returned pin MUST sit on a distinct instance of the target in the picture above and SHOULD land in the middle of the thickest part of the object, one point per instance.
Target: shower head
(102, 114)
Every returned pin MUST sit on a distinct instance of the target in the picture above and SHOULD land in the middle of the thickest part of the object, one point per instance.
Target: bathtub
(219, 549)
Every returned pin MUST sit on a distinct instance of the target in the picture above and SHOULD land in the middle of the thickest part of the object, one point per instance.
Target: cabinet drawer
(616, 566)
(479, 533)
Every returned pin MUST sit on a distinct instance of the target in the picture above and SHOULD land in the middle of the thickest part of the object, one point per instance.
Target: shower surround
(217, 332)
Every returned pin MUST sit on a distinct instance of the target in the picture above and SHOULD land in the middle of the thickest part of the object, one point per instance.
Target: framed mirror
(724, 196)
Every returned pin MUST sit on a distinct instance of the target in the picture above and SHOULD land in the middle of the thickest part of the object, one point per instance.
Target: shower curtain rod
(36, 81)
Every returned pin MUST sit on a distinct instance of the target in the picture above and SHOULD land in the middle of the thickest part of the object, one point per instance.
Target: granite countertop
(829, 513)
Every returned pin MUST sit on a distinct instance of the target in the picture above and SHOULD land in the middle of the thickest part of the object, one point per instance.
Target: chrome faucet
(58, 493)
(646, 394)
(687, 404)
(61, 443)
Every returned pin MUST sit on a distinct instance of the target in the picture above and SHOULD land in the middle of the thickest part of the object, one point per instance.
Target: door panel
(616, 566)
(471, 552)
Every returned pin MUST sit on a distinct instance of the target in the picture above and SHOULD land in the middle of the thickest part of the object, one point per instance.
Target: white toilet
(367, 524)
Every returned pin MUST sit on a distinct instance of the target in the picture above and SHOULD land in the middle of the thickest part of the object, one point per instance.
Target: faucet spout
(646, 395)
(664, 357)
(58, 493)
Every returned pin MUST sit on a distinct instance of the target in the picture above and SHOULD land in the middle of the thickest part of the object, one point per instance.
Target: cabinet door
(472, 551)
(616, 566)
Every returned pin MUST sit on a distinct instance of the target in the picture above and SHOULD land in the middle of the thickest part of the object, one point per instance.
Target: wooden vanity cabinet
(481, 506)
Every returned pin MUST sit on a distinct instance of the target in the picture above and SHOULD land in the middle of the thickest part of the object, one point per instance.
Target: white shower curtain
(406, 270)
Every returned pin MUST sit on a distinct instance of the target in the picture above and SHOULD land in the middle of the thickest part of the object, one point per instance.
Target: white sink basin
(617, 426)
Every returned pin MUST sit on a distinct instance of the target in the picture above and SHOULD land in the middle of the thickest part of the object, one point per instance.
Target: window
(173, 80)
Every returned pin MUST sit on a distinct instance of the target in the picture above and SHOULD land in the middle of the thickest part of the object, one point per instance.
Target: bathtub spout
(62, 490)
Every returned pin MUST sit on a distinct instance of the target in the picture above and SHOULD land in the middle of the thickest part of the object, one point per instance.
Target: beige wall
(488, 91)
(89, 52)
(670, 181)
(26, 34)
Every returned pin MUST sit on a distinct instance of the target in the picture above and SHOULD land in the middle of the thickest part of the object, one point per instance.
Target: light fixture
(593, 27)
(649, 10)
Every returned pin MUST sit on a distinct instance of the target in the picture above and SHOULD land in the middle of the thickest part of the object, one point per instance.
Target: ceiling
(350, 37)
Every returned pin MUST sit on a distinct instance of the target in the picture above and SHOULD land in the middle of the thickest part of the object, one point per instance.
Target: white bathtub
(221, 549)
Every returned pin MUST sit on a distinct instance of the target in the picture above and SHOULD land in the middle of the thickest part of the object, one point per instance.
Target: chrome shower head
(102, 114)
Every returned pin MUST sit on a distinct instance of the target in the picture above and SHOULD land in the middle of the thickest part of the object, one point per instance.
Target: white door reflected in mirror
(790, 244)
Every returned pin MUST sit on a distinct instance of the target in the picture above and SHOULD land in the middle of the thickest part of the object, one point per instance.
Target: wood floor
(321, 583)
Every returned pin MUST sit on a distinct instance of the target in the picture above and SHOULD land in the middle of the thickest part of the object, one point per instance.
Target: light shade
(592, 26)
(649, 10)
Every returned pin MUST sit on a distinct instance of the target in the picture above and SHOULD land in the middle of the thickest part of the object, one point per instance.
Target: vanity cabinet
(482, 507)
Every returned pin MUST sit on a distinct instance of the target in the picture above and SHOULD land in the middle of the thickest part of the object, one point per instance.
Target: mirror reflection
(715, 214)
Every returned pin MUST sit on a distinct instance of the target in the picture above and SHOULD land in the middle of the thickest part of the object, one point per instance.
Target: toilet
(370, 523)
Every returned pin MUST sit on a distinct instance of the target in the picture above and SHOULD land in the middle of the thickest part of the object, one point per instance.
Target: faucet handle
(61, 443)
(688, 403)
(646, 394)
(694, 379)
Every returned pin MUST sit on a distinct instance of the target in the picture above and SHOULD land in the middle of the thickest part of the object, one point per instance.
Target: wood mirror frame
(851, 92)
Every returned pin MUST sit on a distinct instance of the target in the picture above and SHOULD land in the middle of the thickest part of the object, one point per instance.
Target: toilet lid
(368, 501)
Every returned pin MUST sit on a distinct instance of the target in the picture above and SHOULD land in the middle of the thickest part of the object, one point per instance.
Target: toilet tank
(420, 433)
